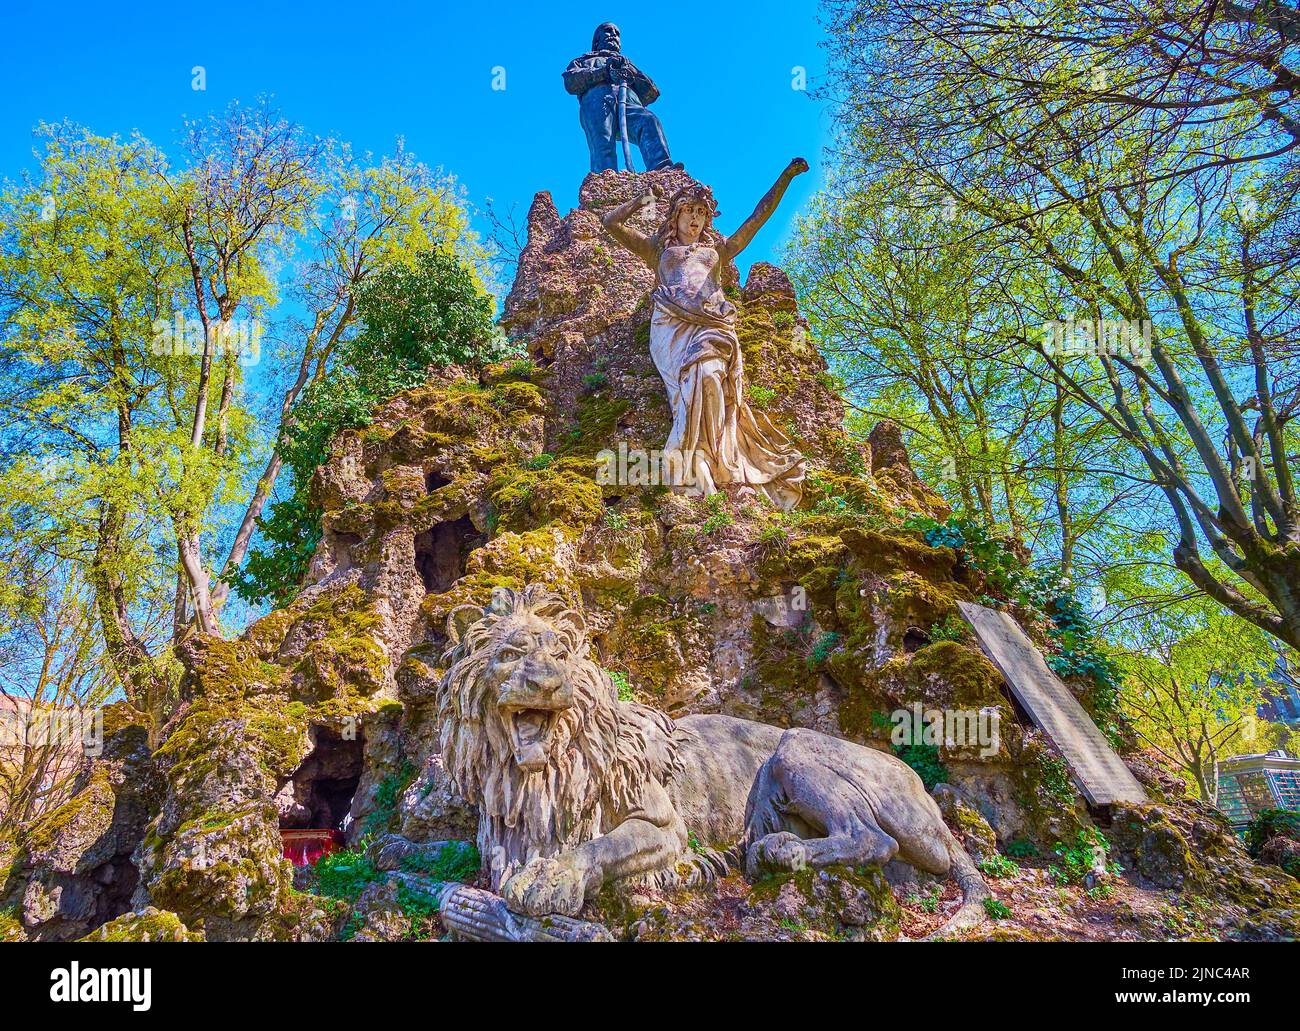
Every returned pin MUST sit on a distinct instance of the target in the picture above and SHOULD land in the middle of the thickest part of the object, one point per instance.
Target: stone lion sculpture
(576, 789)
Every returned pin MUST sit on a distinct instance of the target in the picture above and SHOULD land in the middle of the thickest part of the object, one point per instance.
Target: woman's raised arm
(741, 238)
(636, 242)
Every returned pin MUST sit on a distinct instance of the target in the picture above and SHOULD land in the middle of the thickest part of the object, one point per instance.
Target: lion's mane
(600, 762)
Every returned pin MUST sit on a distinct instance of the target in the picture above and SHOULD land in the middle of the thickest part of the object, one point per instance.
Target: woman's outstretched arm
(636, 242)
(741, 238)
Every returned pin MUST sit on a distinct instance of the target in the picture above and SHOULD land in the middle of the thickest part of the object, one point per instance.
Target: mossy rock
(890, 551)
(1153, 848)
(657, 652)
(225, 671)
(123, 718)
(869, 695)
(343, 656)
(508, 560)
(831, 492)
(526, 499)
(1160, 843)
(518, 396)
(783, 673)
(234, 872)
(11, 928)
(148, 925)
(972, 830)
(595, 426)
(270, 731)
(62, 837)
(838, 901)
(942, 675)
(954, 675)
(815, 561)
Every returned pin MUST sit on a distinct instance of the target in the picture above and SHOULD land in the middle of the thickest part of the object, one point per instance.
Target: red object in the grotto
(304, 847)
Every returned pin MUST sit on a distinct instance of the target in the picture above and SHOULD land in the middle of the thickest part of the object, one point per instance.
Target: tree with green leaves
(1106, 189)
(375, 219)
(1194, 679)
(88, 264)
(53, 680)
(160, 319)
(897, 293)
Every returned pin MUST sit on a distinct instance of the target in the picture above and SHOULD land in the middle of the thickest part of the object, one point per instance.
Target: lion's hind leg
(803, 813)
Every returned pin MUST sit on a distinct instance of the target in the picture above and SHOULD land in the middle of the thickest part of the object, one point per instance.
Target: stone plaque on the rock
(1095, 766)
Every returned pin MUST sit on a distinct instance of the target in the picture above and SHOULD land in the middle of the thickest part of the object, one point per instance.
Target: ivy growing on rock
(1044, 592)
(925, 762)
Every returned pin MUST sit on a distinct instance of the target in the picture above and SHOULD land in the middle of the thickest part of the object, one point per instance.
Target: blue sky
(369, 73)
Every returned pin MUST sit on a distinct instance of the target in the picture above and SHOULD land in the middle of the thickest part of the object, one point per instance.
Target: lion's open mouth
(530, 733)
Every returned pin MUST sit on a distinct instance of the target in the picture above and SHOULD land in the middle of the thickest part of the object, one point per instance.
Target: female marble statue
(716, 438)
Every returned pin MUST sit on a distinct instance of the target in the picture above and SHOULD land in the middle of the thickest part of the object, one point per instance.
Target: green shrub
(718, 516)
(925, 763)
(951, 628)
(1021, 848)
(1079, 859)
(455, 861)
(928, 903)
(388, 792)
(343, 875)
(999, 866)
(429, 313)
(625, 692)
(521, 368)
(1274, 823)
(997, 910)
(1055, 780)
(821, 650)
(290, 530)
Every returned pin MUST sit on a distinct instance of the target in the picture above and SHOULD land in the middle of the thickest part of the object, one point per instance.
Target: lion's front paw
(777, 852)
(547, 885)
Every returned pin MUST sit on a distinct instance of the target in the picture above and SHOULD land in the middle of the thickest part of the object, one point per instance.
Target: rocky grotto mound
(832, 617)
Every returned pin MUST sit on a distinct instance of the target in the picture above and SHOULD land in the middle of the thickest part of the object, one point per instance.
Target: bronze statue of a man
(613, 98)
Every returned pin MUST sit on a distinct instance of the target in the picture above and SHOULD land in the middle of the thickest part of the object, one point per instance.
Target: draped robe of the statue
(719, 438)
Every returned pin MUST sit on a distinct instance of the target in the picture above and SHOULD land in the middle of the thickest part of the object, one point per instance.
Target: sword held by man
(618, 76)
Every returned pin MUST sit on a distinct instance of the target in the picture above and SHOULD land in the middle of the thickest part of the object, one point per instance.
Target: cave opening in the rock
(320, 792)
(118, 879)
(440, 553)
(914, 640)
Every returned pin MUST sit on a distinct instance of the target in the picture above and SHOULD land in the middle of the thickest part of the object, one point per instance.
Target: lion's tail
(974, 891)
